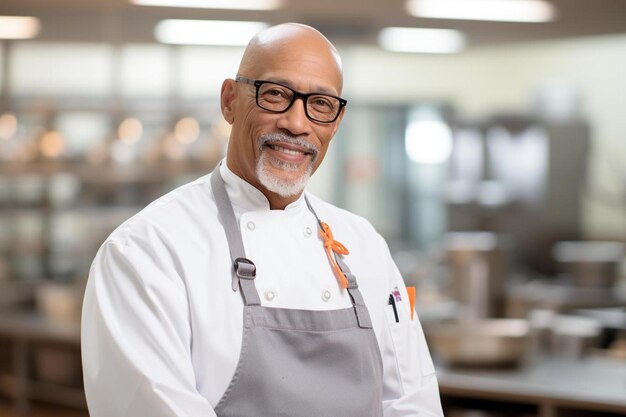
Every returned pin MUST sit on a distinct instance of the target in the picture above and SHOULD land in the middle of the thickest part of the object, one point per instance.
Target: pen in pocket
(392, 301)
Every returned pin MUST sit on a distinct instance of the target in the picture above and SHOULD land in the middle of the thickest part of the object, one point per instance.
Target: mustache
(290, 139)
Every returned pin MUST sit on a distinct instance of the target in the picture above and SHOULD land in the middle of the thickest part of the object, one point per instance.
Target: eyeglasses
(278, 98)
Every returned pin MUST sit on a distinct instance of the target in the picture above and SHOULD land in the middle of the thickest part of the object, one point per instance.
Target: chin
(282, 178)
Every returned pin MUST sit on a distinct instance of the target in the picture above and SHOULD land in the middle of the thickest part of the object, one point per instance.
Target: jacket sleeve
(136, 335)
(409, 381)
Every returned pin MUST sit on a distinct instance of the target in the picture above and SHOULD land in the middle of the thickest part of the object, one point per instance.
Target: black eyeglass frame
(296, 94)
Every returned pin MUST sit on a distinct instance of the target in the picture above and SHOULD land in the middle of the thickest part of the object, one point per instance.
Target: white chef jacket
(162, 326)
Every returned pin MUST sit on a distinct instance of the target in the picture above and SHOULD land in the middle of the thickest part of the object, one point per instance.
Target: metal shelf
(26, 332)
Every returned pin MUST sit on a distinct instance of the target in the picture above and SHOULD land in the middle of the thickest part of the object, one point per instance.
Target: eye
(275, 92)
(272, 92)
(321, 103)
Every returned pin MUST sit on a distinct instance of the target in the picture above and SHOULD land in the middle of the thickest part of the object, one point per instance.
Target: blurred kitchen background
(484, 139)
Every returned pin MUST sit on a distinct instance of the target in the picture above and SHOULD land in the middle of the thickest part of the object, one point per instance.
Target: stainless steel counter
(553, 385)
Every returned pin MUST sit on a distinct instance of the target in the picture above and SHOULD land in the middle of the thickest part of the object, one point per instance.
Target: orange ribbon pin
(331, 245)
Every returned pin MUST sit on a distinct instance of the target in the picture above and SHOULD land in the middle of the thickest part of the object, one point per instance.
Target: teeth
(285, 150)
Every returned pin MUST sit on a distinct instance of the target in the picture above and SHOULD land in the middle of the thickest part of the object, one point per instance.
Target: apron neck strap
(244, 270)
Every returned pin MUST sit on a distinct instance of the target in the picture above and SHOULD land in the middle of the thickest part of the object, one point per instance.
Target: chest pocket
(409, 344)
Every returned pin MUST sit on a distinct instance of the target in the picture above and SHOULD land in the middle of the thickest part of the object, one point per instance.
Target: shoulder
(172, 215)
(163, 243)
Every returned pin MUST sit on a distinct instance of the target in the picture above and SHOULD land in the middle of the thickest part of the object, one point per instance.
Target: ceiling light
(19, 27)
(214, 4)
(187, 130)
(496, 10)
(434, 41)
(130, 130)
(52, 144)
(8, 126)
(207, 32)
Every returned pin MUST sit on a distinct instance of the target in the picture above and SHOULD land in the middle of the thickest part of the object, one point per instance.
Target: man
(232, 296)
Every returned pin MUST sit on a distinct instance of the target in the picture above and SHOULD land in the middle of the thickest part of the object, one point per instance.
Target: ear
(227, 100)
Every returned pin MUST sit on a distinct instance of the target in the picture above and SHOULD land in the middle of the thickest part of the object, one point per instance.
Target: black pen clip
(392, 301)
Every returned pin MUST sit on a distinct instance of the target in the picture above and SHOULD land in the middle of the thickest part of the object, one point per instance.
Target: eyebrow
(317, 90)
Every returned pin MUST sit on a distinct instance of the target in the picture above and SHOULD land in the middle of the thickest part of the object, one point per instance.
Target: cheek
(324, 137)
(248, 115)
(248, 128)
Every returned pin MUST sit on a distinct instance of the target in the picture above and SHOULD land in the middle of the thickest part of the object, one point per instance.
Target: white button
(251, 225)
(270, 295)
(307, 231)
(326, 295)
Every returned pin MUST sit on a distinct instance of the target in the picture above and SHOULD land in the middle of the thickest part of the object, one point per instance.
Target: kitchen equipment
(524, 176)
(540, 321)
(610, 318)
(613, 334)
(478, 266)
(486, 342)
(573, 336)
(590, 263)
(563, 335)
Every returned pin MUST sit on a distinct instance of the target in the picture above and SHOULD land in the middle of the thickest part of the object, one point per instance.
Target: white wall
(40, 69)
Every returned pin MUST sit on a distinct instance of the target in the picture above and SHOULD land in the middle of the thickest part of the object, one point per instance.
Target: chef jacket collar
(247, 197)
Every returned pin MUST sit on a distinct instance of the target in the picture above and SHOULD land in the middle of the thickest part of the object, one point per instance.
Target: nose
(295, 120)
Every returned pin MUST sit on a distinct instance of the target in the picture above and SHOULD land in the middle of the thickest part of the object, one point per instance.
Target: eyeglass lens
(278, 98)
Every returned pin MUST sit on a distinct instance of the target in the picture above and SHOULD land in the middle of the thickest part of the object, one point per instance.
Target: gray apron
(298, 363)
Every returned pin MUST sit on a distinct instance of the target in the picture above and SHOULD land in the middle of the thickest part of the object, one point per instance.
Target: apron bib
(298, 363)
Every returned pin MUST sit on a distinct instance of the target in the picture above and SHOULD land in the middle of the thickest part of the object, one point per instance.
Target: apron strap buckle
(245, 268)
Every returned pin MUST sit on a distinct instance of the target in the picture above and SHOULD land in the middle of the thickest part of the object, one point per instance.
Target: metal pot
(590, 264)
(485, 342)
(573, 336)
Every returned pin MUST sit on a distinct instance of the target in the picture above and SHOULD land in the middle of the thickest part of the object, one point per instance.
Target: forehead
(307, 68)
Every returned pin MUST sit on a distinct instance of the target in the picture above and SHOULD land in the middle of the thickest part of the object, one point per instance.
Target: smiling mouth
(288, 151)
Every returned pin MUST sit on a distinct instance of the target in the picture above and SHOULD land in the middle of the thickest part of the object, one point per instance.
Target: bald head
(291, 42)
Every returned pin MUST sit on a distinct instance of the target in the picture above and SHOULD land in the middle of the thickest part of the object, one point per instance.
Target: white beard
(280, 186)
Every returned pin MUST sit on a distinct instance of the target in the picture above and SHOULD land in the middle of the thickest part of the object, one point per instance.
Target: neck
(277, 202)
